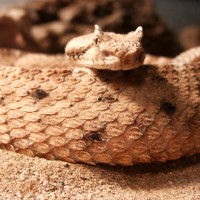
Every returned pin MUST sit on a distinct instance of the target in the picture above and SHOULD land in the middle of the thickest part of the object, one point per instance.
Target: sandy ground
(22, 177)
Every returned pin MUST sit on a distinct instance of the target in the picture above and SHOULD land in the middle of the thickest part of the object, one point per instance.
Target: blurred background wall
(176, 13)
(8, 2)
(179, 13)
(170, 26)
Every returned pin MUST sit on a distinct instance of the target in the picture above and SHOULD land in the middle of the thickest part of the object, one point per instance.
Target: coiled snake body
(148, 114)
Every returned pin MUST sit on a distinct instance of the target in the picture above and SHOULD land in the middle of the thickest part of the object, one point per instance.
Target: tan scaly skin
(148, 114)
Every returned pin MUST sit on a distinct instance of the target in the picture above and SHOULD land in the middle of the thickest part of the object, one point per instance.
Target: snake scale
(150, 113)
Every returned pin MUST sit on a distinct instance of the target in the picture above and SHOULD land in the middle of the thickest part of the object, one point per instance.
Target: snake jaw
(107, 50)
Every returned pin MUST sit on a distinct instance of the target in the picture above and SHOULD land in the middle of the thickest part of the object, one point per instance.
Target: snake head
(107, 50)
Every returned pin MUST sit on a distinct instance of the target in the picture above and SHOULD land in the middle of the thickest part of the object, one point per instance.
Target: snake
(107, 104)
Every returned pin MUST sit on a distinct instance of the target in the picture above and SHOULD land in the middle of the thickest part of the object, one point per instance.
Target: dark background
(176, 13)
(170, 26)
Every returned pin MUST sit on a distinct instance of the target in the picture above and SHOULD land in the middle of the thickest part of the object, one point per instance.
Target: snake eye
(96, 40)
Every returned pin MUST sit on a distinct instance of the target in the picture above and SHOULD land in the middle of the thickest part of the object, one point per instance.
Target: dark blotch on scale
(2, 100)
(38, 93)
(168, 108)
(93, 136)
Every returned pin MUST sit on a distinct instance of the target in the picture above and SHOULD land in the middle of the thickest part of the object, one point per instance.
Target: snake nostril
(116, 50)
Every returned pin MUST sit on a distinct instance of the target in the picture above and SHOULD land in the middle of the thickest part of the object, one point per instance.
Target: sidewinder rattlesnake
(124, 114)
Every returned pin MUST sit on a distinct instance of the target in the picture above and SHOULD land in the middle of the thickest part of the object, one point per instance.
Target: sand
(22, 177)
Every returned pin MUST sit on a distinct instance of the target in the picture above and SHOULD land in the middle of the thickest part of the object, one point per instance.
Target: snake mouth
(108, 60)
(74, 55)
